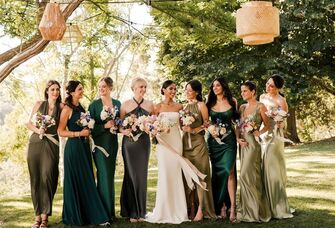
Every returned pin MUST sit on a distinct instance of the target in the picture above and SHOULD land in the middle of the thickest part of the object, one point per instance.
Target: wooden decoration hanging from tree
(52, 25)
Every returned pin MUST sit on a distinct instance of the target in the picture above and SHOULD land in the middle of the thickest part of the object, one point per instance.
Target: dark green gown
(223, 158)
(43, 159)
(136, 159)
(105, 165)
(198, 156)
(254, 206)
(82, 204)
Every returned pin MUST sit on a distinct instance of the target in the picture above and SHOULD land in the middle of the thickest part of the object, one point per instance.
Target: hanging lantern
(72, 34)
(52, 25)
(257, 22)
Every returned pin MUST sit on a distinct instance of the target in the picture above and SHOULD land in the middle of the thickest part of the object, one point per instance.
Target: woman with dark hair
(135, 155)
(195, 150)
(254, 206)
(81, 201)
(103, 137)
(43, 155)
(222, 108)
(274, 168)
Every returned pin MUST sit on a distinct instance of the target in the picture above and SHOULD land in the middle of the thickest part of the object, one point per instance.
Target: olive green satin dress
(254, 206)
(274, 173)
(223, 158)
(43, 159)
(105, 165)
(198, 155)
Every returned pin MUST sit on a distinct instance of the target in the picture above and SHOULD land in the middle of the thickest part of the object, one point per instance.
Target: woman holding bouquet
(43, 154)
(195, 150)
(274, 168)
(135, 152)
(82, 204)
(104, 135)
(254, 206)
(222, 110)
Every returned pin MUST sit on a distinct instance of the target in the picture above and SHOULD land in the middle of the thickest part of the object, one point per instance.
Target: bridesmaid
(254, 206)
(274, 168)
(43, 155)
(222, 107)
(135, 156)
(197, 152)
(82, 204)
(103, 137)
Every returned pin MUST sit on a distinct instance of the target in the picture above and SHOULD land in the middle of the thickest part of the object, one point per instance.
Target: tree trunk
(292, 126)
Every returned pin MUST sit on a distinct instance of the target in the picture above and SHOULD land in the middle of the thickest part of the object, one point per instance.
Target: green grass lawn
(311, 191)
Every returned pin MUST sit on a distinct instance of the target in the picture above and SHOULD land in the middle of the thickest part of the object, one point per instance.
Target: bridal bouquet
(160, 124)
(110, 113)
(85, 120)
(186, 117)
(144, 122)
(42, 122)
(131, 122)
(218, 131)
(277, 114)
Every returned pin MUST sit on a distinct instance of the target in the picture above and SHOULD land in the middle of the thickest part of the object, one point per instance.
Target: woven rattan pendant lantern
(52, 25)
(72, 34)
(257, 22)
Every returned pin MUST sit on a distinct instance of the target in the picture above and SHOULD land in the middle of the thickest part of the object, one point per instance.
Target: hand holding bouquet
(160, 124)
(277, 114)
(186, 117)
(42, 122)
(218, 131)
(85, 120)
(247, 126)
(110, 114)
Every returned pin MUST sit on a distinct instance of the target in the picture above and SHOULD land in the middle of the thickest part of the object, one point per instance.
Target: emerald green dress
(198, 156)
(223, 158)
(254, 206)
(81, 201)
(105, 165)
(274, 173)
(43, 159)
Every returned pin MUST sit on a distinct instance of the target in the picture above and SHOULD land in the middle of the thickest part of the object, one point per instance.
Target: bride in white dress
(170, 205)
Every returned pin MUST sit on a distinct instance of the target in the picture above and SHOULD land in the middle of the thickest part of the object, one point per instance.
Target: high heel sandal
(44, 223)
(223, 212)
(36, 224)
(232, 216)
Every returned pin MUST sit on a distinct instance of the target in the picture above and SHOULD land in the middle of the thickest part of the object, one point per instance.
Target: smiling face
(104, 89)
(217, 88)
(140, 88)
(170, 91)
(53, 92)
(246, 93)
(271, 87)
(190, 93)
(78, 93)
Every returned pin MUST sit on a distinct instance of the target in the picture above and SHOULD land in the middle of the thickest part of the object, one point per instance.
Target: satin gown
(43, 159)
(254, 206)
(223, 158)
(105, 165)
(170, 205)
(136, 158)
(195, 150)
(82, 204)
(274, 173)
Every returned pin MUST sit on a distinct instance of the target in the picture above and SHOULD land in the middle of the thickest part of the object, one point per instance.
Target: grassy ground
(311, 191)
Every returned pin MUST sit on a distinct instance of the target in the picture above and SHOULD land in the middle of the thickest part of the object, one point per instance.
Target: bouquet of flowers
(277, 114)
(85, 120)
(144, 122)
(42, 122)
(160, 124)
(186, 117)
(131, 122)
(248, 126)
(110, 113)
(218, 131)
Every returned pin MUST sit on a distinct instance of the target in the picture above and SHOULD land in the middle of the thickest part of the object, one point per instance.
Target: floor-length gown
(223, 158)
(170, 205)
(82, 204)
(254, 206)
(43, 159)
(274, 173)
(105, 165)
(136, 157)
(195, 150)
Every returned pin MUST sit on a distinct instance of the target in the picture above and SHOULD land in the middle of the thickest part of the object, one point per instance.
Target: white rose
(91, 124)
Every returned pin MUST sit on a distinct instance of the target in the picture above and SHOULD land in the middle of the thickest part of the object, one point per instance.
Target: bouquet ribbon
(190, 171)
(51, 138)
(93, 147)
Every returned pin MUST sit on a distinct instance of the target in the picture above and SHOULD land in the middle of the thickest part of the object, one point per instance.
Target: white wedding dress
(170, 206)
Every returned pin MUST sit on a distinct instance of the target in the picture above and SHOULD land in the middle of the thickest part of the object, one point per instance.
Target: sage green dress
(274, 173)
(197, 153)
(223, 158)
(105, 165)
(43, 159)
(81, 201)
(254, 206)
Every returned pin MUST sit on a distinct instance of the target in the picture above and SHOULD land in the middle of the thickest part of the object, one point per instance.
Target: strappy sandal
(44, 223)
(223, 213)
(232, 216)
(36, 224)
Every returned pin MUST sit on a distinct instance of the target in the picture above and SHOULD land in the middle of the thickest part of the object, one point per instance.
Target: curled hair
(212, 98)
(136, 80)
(251, 86)
(278, 81)
(70, 88)
(166, 84)
(50, 83)
(197, 87)
(107, 80)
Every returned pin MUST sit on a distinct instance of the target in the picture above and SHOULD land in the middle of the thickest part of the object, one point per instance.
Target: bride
(170, 206)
